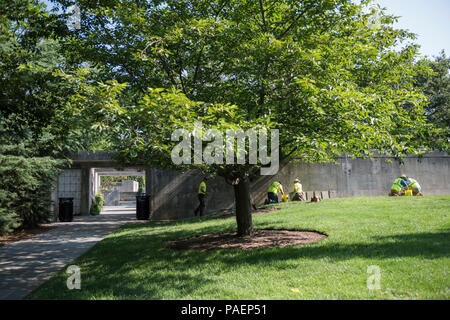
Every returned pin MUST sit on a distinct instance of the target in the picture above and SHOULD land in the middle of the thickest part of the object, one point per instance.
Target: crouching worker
(414, 186)
(399, 186)
(274, 190)
(299, 195)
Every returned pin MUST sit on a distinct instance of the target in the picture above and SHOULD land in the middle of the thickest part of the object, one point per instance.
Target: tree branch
(181, 80)
(197, 66)
(263, 15)
(220, 9)
(262, 92)
(296, 20)
(167, 69)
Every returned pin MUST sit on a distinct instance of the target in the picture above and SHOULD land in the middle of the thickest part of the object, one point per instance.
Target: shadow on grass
(134, 263)
(425, 245)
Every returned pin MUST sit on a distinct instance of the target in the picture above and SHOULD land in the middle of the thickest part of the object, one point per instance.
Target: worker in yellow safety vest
(414, 186)
(299, 195)
(399, 186)
(201, 197)
(274, 190)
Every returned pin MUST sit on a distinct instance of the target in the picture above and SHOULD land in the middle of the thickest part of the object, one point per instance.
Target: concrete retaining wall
(129, 186)
(112, 197)
(69, 186)
(128, 196)
(174, 195)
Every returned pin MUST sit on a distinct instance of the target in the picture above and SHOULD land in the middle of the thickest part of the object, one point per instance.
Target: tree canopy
(328, 74)
(47, 109)
(436, 87)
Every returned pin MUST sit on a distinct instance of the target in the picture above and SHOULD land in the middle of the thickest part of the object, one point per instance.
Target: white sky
(429, 19)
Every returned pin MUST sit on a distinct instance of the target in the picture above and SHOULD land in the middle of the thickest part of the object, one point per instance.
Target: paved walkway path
(26, 264)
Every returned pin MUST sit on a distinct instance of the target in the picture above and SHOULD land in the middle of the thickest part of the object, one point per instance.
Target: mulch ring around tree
(255, 212)
(263, 238)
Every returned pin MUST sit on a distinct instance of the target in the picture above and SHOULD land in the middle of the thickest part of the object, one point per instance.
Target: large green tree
(42, 93)
(47, 108)
(437, 88)
(326, 73)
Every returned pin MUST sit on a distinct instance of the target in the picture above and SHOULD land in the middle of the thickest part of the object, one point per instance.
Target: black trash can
(142, 207)
(65, 209)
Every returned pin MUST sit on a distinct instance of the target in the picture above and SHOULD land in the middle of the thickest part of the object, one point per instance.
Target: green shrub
(97, 204)
(25, 186)
(100, 199)
(8, 221)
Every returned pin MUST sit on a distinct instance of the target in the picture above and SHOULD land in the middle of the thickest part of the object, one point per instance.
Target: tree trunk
(243, 207)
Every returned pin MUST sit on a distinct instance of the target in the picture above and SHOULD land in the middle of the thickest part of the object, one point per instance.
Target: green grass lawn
(408, 238)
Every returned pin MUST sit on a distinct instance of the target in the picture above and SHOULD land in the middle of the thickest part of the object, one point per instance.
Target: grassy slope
(408, 238)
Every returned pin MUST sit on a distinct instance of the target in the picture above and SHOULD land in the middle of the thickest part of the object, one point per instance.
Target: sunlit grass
(408, 238)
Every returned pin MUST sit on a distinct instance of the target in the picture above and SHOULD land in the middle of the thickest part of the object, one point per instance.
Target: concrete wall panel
(174, 194)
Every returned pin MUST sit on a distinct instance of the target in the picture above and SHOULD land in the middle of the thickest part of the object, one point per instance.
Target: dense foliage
(328, 74)
(437, 88)
(47, 109)
(24, 187)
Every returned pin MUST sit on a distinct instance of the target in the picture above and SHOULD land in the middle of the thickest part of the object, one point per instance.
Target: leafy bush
(8, 220)
(97, 204)
(25, 186)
